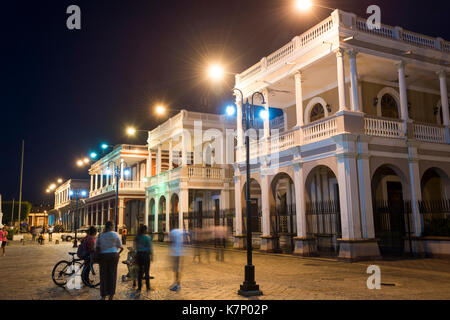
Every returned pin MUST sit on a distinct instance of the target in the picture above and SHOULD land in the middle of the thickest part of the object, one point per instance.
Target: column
(158, 160)
(155, 226)
(170, 154)
(121, 212)
(96, 214)
(324, 183)
(299, 99)
(147, 210)
(122, 167)
(184, 160)
(167, 217)
(240, 133)
(102, 222)
(266, 120)
(238, 210)
(267, 240)
(96, 181)
(109, 211)
(92, 183)
(403, 95)
(444, 103)
(341, 80)
(416, 191)
(183, 207)
(101, 179)
(319, 194)
(354, 81)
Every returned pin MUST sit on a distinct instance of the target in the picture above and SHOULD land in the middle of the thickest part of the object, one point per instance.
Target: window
(389, 107)
(317, 112)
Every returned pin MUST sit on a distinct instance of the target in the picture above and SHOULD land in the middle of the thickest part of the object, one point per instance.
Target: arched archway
(162, 216)
(282, 211)
(134, 215)
(392, 218)
(315, 110)
(255, 206)
(174, 221)
(388, 103)
(151, 216)
(435, 204)
(323, 220)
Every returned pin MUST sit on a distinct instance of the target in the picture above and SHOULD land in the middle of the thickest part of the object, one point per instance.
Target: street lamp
(305, 5)
(77, 194)
(117, 173)
(249, 286)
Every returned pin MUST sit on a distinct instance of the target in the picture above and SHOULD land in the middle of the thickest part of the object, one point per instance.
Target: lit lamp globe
(131, 131)
(216, 72)
(303, 5)
(160, 110)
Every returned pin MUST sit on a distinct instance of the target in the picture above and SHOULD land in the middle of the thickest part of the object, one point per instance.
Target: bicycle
(63, 270)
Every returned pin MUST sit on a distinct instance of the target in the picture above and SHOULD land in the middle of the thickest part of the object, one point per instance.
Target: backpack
(82, 249)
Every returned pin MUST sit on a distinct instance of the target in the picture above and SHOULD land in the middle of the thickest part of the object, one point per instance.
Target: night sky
(64, 92)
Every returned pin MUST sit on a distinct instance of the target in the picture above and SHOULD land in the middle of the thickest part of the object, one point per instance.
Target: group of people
(3, 239)
(201, 237)
(107, 247)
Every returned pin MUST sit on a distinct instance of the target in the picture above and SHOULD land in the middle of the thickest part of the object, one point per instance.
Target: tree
(7, 207)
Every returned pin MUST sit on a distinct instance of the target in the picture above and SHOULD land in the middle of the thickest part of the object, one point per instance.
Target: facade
(364, 152)
(64, 212)
(130, 162)
(39, 216)
(191, 178)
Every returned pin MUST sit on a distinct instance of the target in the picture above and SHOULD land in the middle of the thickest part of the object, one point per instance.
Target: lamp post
(118, 174)
(77, 193)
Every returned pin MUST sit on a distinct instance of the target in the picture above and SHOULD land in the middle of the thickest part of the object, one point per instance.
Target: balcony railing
(429, 133)
(189, 172)
(206, 173)
(319, 130)
(123, 186)
(383, 127)
(283, 142)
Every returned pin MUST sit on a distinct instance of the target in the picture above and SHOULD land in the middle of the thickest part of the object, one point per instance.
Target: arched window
(317, 113)
(389, 106)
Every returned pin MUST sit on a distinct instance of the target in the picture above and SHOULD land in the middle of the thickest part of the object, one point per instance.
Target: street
(26, 274)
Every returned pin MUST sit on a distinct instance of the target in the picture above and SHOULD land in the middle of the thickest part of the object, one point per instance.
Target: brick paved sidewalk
(26, 274)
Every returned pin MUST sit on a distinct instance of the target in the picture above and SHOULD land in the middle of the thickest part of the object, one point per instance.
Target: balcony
(191, 173)
(124, 186)
(383, 128)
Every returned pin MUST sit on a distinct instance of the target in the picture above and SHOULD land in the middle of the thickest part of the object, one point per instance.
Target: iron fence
(435, 217)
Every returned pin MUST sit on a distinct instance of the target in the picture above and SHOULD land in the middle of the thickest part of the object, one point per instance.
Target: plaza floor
(26, 274)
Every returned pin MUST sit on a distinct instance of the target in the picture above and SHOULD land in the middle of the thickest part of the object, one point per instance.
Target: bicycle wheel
(91, 275)
(61, 273)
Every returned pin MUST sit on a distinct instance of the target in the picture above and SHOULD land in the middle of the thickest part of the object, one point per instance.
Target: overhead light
(231, 110)
(264, 114)
(93, 155)
(349, 38)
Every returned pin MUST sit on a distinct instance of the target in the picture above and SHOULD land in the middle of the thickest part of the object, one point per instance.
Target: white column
(101, 179)
(240, 133)
(265, 204)
(149, 164)
(416, 191)
(121, 212)
(96, 181)
(183, 207)
(341, 80)
(102, 222)
(170, 154)
(147, 210)
(354, 81)
(266, 120)
(108, 216)
(403, 95)
(158, 160)
(300, 201)
(92, 182)
(238, 204)
(365, 191)
(121, 169)
(184, 159)
(299, 98)
(444, 102)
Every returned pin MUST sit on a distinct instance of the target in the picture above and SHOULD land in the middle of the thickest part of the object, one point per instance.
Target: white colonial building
(64, 211)
(364, 151)
(191, 179)
(130, 161)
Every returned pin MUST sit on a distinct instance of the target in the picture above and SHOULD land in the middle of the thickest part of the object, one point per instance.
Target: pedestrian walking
(33, 233)
(176, 251)
(86, 251)
(50, 233)
(4, 240)
(144, 255)
(108, 247)
(124, 235)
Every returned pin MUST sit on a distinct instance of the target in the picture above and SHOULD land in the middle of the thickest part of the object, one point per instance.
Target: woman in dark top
(144, 253)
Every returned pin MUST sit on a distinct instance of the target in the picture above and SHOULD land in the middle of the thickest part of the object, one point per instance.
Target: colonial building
(191, 178)
(125, 165)
(64, 212)
(364, 152)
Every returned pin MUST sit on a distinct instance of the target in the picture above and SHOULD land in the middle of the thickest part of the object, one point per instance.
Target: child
(133, 268)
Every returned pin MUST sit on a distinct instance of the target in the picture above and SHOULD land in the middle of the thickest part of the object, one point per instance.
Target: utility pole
(12, 212)
(21, 179)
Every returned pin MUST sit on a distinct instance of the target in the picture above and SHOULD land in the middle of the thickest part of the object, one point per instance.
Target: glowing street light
(93, 155)
(80, 163)
(230, 110)
(86, 160)
(303, 5)
(160, 110)
(104, 146)
(216, 72)
(60, 180)
(131, 131)
(264, 114)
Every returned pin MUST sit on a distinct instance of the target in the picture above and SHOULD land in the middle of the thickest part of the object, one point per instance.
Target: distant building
(39, 215)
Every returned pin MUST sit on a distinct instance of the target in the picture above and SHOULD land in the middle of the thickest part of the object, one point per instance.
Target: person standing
(176, 251)
(86, 250)
(4, 240)
(50, 232)
(1, 237)
(144, 255)
(124, 235)
(108, 247)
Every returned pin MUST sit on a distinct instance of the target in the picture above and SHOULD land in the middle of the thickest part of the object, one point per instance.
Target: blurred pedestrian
(144, 255)
(196, 239)
(219, 242)
(4, 240)
(108, 247)
(176, 251)
(86, 251)
(33, 233)
(50, 232)
(124, 235)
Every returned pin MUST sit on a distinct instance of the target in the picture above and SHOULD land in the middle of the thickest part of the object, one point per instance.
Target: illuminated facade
(131, 163)
(364, 149)
(191, 178)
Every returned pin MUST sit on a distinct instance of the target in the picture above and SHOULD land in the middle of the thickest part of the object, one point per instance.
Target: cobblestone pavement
(26, 274)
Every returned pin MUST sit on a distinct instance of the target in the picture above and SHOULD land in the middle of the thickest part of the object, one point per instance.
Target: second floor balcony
(124, 187)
